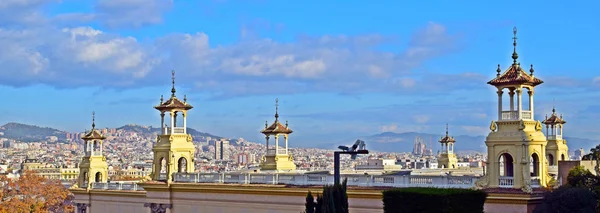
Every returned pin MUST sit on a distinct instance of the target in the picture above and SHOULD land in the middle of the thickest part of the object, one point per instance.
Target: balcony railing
(323, 179)
(514, 115)
(554, 137)
(176, 130)
(162, 176)
(506, 182)
(535, 181)
(271, 152)
(117, 186)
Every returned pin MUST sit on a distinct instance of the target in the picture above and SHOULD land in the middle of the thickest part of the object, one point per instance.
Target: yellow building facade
(173, 151)
(276, 158)
(93, 167)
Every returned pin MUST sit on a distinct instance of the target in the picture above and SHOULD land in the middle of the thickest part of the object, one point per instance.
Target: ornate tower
(556, 149)
(93, 167)
(516, 144)
(173, 150)
(447, 158)
(277, 158)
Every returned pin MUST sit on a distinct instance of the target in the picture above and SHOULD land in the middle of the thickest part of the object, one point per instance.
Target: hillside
(156, 130)
(29, 133)
(32, 133)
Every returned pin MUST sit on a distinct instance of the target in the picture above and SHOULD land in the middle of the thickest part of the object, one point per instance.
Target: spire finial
(173, 81)
(161, 99)
(266, 124)
(515, 55)
(498, 71)
(184, 98)
(286, 124)
(276, 109)
(553, 105)
(531, 70)
(93, 120)
(446, 129)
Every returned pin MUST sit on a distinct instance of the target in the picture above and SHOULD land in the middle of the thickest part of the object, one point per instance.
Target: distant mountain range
(403, 142)
(32, 133)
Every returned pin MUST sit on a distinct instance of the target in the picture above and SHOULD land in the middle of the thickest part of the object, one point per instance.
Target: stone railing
(514, 115)
(117, 186)
(323, 179)
(554, 137)
(176, 130)
(506, 182)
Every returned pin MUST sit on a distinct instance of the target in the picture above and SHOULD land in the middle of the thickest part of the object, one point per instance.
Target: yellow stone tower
(93, 167)
(276, 158)
(556, 148)
(516, 144)
(447, 159)
(173, 150)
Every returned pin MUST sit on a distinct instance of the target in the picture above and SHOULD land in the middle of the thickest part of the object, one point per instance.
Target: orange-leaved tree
(33, 193)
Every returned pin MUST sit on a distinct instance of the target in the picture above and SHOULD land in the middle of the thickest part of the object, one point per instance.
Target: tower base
(281, 162)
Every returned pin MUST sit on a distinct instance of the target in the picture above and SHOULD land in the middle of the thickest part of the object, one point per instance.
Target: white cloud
(75, 55)
(421, 118)
(389, 128)
(131, 13)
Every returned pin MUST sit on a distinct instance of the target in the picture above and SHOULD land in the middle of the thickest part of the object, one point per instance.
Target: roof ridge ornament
(515, 56)
(446, 129)
(498, 71)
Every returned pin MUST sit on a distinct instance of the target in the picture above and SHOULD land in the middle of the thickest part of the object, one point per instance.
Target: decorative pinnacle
(531, 70)
(276, 109)
(266, 124)
(93, 120)
(286, 124)
(498, 71)
(515, 55)
(446, 129)
(161, 99)
(173, 81)
(184, 98)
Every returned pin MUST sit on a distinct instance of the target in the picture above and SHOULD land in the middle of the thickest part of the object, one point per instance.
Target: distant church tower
(556, 149)
(516, 144)
(276, 158)
(173, 150)
(93, 167)
(447, 158)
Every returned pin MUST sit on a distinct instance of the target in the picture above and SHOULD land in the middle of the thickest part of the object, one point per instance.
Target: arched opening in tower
(98, 177)
(506, 165)
(562, 157)
(550, 159)
(163, 165)
(535, 165)
(182, 165)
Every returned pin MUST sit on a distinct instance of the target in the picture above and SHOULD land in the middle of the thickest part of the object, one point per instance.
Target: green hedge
(430, 200)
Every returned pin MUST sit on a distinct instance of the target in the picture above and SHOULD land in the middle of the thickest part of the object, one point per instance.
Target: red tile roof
(515, 75)
(554, 119)
(173, 103)
(277, 128)
(93, 134)
(447, 139)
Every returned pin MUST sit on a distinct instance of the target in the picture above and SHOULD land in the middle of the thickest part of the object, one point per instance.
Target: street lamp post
(348, 151)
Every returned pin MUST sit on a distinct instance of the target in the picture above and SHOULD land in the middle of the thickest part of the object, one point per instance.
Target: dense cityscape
(129, 155)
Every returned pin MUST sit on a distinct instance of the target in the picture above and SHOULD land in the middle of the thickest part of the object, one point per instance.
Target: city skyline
(333, 76)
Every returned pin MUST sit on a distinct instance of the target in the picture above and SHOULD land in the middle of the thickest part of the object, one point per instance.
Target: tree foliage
(34, 193)
(594, 155)
(568, 199)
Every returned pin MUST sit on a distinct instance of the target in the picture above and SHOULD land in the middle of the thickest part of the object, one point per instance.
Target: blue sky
(340, 69)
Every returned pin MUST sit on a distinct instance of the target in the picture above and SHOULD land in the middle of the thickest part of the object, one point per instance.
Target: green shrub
(333, 200)
(430, 200)
(568, 199)
(579, 176)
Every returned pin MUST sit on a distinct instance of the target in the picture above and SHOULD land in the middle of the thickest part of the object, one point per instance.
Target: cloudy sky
(340, 69)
